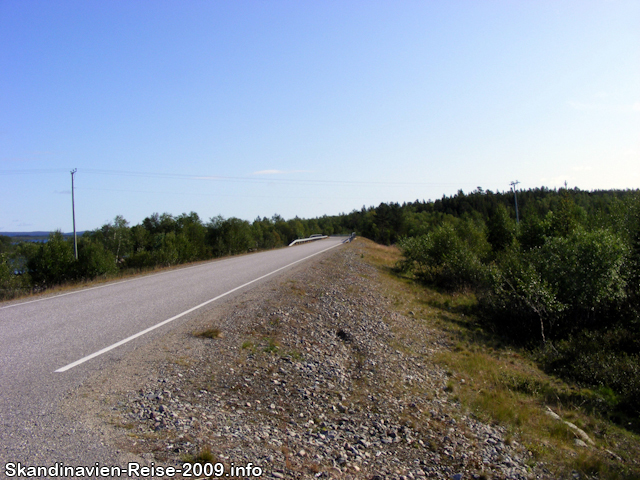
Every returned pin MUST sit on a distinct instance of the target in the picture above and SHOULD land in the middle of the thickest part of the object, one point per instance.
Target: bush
(585, 269)
(501, 229)
(94, 260)
(11, 282)
(140, 260)
(443, 259)
(165, 251)
(415, 251)
(53, 263)
(567, 284)
(520, 303)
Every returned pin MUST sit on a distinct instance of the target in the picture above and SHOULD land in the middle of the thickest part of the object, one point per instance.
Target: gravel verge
(306, 377)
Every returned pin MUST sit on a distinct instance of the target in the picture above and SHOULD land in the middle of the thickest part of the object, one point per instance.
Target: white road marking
(158, 325)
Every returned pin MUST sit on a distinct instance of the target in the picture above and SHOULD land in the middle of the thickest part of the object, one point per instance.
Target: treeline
(388, 223)
(165, 240)
(564, 281)
(158, 241)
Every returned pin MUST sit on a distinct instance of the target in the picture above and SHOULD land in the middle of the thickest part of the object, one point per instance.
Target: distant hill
(34, 235)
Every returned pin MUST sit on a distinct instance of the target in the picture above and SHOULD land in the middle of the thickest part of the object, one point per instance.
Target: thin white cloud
(278, 172)
(268, 172)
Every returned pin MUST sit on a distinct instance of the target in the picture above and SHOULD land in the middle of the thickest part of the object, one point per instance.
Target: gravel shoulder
(304, 376)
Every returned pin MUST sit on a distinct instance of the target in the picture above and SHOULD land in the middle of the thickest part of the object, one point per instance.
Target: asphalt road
(46, 345)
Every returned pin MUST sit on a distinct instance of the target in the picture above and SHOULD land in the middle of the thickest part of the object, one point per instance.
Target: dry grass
(501, 385)
(209, 333)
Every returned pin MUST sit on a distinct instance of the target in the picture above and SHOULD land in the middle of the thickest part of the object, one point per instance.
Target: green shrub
(12, 283)
(53, 263)
(140, 260)
(501, 229)
(443, 259)
(520, 304)
(415, 252)
(585, 268)
(94, 260)
(564, 285)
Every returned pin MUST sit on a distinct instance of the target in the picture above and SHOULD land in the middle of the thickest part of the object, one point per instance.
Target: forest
(560, 278)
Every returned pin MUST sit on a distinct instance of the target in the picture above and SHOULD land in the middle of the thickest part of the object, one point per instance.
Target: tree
(195, 233)
(164, 223)
(501, 229)
(116, 237)
(566, 217)
(230, 236)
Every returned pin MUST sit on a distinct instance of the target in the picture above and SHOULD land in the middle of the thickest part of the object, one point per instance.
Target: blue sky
(252, 108)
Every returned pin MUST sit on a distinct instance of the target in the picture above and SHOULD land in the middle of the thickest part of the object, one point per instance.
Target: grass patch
(293, 355)
(506, 388)
(271, 347)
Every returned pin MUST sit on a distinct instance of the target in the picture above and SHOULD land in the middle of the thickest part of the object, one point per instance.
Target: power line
(33, 171)
(239, 179)
(269, 179)
(208, 194)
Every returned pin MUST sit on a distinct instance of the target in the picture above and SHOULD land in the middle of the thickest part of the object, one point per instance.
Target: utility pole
(73, 210)
(513, 185)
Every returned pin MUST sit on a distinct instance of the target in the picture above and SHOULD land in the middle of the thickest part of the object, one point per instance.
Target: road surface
(50, 345)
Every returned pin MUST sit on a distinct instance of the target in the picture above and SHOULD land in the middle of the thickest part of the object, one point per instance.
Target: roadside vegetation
(563, 284)
(508, 382)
